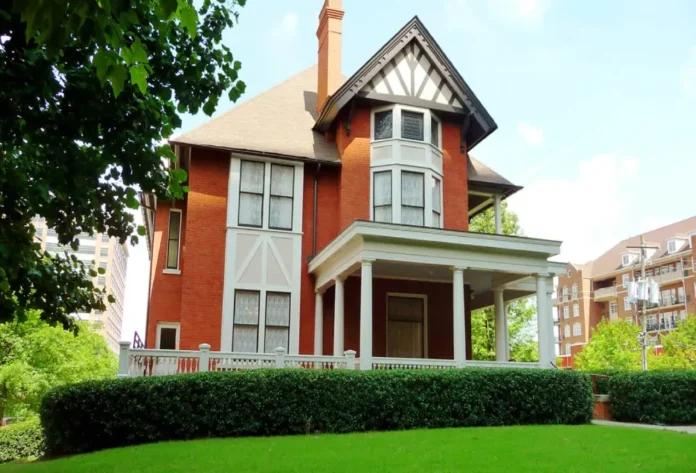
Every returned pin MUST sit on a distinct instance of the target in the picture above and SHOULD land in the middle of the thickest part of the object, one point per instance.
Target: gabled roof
(480, 173)
(610, 261)
(277, 122)
(461, 100)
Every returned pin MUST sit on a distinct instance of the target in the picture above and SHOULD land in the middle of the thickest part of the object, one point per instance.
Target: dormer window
(627, 258)
(671, 246)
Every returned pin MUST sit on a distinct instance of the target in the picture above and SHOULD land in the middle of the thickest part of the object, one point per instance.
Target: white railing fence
(137, 362)
(144, 362)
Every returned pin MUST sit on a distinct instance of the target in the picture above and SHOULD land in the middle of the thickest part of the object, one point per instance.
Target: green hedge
(111, 413)
(23, 440)
(654, 397)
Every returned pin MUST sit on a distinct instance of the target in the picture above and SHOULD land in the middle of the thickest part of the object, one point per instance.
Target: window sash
(277, 331)
(245, 330)
(282, 197)
(252, 176)
(173, 239)
(412, 198)
(384, 125)
(412, 124)
(382, 196)
(434, 132)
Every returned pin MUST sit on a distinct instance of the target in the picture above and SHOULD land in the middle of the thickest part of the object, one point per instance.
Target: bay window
(406, 166)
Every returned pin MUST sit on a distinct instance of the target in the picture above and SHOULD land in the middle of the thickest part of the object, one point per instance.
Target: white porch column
(551, 342)
(501, 329)
(458, 313)
(366, 315)
(544, 323)
(498, 214)
(319, 323)
(338, 318)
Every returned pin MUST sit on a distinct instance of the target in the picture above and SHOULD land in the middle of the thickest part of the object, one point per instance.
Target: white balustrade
(138, 362)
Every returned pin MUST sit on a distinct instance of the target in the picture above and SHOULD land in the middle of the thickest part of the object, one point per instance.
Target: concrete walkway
(685, 429)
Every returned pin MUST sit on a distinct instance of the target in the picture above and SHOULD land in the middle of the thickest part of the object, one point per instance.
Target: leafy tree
(612, 346)
(90, 91)
(679, 348)
(521, 314)
(35, 357)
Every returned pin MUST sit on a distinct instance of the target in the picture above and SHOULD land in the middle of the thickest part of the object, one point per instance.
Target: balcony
(667, 323)
(605, 294)
(667, 278)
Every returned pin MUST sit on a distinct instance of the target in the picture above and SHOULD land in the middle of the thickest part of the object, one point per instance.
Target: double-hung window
(277, 321)
(282, 186)
(566, 312)
(577, 330)
(576, 310)
(382, 201)
(251, 183)
(566, 331)
(412, 198)
(173, 239)
(245, 336)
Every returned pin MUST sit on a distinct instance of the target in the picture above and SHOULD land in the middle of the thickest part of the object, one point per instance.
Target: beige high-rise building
(108, 254)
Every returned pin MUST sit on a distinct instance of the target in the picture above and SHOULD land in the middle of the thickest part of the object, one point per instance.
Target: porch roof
(432, 247)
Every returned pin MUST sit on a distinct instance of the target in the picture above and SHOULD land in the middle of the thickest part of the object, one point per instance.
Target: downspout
(314, 210)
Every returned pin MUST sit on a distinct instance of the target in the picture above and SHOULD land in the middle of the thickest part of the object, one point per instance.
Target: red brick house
(331, 214)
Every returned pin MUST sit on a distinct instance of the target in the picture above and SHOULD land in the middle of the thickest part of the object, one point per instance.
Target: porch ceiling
(427, 254)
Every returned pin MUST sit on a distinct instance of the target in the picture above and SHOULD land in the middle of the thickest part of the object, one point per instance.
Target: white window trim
(566, 312)
(625, 279)
(613, 305)
(176, 270)
(627, 304)
(161, 325)
(578, 332)
(424, 297)
(576, 313)
(233, 194)
(574, 289)
(566, 331)
(396, 110)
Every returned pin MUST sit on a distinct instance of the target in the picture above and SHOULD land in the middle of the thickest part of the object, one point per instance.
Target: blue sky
(595, 102)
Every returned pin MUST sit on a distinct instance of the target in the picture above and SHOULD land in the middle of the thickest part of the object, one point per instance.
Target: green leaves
(117, 76)
(138, 76)
(188, 16)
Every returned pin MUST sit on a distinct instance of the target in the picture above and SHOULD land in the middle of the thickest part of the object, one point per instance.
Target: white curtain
(245, 339)
(280, 214)
(251, 179)
(383, 196)
(276, 337)
(246, 307)
(412, 198)
(282, 180)
(250, 209)
(278, 309)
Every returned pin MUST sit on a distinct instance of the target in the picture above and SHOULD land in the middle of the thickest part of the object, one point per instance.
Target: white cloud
(475, 15)
(287, 26)
(531, 134)
(582, 210)
(688, 74)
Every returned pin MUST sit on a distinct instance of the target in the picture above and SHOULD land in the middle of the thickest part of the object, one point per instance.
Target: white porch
(372, 262)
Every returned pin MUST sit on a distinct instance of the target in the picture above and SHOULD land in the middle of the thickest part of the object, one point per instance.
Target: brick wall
(355, 168)
(165, 289)
(203, 277)
(455, 190)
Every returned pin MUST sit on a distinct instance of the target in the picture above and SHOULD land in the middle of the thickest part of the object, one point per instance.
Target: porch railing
(144, 362)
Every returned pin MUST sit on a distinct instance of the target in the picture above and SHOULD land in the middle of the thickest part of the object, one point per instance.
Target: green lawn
(474, 450)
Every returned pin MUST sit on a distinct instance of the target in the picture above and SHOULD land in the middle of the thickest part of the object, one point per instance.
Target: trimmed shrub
(654, 397)
(103, 414)
(23, 440)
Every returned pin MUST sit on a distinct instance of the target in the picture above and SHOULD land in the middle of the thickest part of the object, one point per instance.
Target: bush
(104, 414)
(654, 397)
(19, 441)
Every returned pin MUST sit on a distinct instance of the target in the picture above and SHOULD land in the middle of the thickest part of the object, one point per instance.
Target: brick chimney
(329, 35)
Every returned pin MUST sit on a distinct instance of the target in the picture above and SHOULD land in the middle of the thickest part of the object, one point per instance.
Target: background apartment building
(598, 289)
(108, 254)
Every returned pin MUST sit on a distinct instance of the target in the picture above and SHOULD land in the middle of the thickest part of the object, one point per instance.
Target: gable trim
(414, 30)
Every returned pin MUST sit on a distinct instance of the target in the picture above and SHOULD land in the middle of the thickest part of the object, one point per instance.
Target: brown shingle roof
(611, 260)
(277, 121)
(280, 120)
(479, 172)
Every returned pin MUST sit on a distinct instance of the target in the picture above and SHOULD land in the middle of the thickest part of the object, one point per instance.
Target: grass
(539, 449)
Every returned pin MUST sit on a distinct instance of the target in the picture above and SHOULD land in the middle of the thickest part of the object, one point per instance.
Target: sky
(595, 103)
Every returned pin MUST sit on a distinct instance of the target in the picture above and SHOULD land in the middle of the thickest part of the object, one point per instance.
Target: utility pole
(643, 312)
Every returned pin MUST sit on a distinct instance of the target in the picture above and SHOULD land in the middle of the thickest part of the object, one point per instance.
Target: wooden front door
(405, 327)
